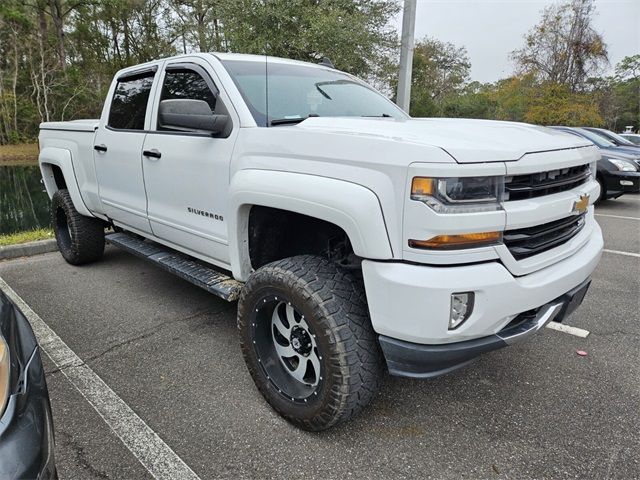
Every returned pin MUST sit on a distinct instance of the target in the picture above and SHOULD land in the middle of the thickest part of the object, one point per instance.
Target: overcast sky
(490, 29)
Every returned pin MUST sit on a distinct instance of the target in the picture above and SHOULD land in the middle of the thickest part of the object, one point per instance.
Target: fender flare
(350, 206)
(61, 157)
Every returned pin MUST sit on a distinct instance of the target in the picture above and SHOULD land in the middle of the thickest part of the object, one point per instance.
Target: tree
(627, 91)
(556, 104)
(57, 57)
(513, 97)
(59, 10)
(619, 95)
(355, 34)
(476, 100)
(629, 68)
(440, 69)
(564, 47)
(199, 24)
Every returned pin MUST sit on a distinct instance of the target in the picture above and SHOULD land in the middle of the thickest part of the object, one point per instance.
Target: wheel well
(58, 177)
(275, 234)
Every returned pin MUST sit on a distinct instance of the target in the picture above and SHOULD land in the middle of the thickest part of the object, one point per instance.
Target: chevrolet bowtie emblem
(581, 205)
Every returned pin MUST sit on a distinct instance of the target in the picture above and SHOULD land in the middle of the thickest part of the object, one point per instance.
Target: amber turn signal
(422, 186)
(466, 240)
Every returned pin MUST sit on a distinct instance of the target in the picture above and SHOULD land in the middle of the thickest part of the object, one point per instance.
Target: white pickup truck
(353, 236)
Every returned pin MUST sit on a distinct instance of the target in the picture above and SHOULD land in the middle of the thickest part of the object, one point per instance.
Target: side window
(129, 103)
(187, 84)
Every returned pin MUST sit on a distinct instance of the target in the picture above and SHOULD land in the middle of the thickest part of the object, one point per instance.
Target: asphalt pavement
(170, 351)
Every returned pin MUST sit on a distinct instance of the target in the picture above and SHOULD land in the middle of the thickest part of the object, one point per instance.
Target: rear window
(129, 103)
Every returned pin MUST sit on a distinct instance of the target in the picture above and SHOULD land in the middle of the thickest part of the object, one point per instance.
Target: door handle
(100, 148)
(152, 153)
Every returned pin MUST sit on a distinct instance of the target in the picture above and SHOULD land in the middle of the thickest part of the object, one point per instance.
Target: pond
(24, 204)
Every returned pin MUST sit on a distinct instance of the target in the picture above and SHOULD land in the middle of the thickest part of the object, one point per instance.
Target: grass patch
(22, 154)
(24, 237)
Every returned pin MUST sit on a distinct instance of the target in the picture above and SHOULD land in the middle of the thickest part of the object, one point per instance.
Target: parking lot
(170, 352)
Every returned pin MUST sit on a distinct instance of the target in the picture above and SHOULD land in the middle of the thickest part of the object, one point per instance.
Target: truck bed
(88, 125)
(69, 147)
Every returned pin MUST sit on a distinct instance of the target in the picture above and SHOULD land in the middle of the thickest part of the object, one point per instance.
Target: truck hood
(467, 141)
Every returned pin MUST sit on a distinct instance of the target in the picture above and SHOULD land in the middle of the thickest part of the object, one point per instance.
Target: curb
(28, 249)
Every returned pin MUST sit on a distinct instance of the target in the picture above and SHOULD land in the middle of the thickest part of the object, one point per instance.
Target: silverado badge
(581, 205)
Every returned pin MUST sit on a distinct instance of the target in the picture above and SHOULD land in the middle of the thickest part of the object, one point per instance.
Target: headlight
(623, 165)
(4, 374)
(459, 194)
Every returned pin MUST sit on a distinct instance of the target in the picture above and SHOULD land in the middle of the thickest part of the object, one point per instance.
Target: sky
(491, 29)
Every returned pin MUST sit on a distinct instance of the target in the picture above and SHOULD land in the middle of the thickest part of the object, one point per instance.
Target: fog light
(461, 308)
(626, 183)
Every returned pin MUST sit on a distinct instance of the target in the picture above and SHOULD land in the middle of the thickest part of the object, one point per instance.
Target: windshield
(296, 92)
(621, 140)
(595, 138)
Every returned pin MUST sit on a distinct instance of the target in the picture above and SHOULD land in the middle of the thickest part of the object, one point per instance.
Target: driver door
(187, 173)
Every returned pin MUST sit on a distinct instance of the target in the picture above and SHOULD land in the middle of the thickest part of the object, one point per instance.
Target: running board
(186, 267)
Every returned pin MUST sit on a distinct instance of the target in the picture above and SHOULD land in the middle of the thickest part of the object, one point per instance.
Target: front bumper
(408, 359)
(411, 303)
(618, 183)
(26, 427)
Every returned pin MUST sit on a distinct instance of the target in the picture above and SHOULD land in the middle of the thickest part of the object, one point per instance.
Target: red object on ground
(582, 353)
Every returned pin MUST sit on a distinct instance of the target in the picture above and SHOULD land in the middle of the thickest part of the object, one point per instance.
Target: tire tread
(88, 242)
(339, 298)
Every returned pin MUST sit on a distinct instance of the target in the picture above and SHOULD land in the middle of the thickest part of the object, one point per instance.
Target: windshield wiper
(382, 115)
(322, 92)
(291, 121)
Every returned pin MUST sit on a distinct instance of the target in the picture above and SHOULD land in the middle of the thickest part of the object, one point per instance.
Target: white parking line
(618, 252)
(616, 216)
(561, 327)
(145, 444)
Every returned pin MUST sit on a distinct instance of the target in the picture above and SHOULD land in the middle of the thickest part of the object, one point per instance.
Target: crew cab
(355, 238)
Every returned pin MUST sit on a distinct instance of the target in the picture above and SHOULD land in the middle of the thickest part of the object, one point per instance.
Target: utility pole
(403, 96)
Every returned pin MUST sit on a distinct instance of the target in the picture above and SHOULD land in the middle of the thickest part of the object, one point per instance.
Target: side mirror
(186, 115)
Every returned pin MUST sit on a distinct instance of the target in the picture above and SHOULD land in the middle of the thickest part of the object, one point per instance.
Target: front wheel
(308, 342)
(80, 239)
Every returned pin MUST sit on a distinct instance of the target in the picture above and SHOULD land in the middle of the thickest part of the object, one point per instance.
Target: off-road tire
(333, 303)
(80, 239)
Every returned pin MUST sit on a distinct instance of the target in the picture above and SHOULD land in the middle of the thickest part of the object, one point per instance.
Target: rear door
(118, 150)
(187, 173)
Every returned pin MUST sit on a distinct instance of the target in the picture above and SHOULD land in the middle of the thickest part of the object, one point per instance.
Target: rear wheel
(308, 342)
(80, 239)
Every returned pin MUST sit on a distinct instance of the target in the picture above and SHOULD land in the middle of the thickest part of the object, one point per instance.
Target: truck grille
(529, 241)
(521, 187)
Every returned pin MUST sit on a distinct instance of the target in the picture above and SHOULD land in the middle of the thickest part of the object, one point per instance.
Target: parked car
(632, 137)
(617, 140)
(617, 174)
(26, 426)
(351, 234)
(605, 146)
